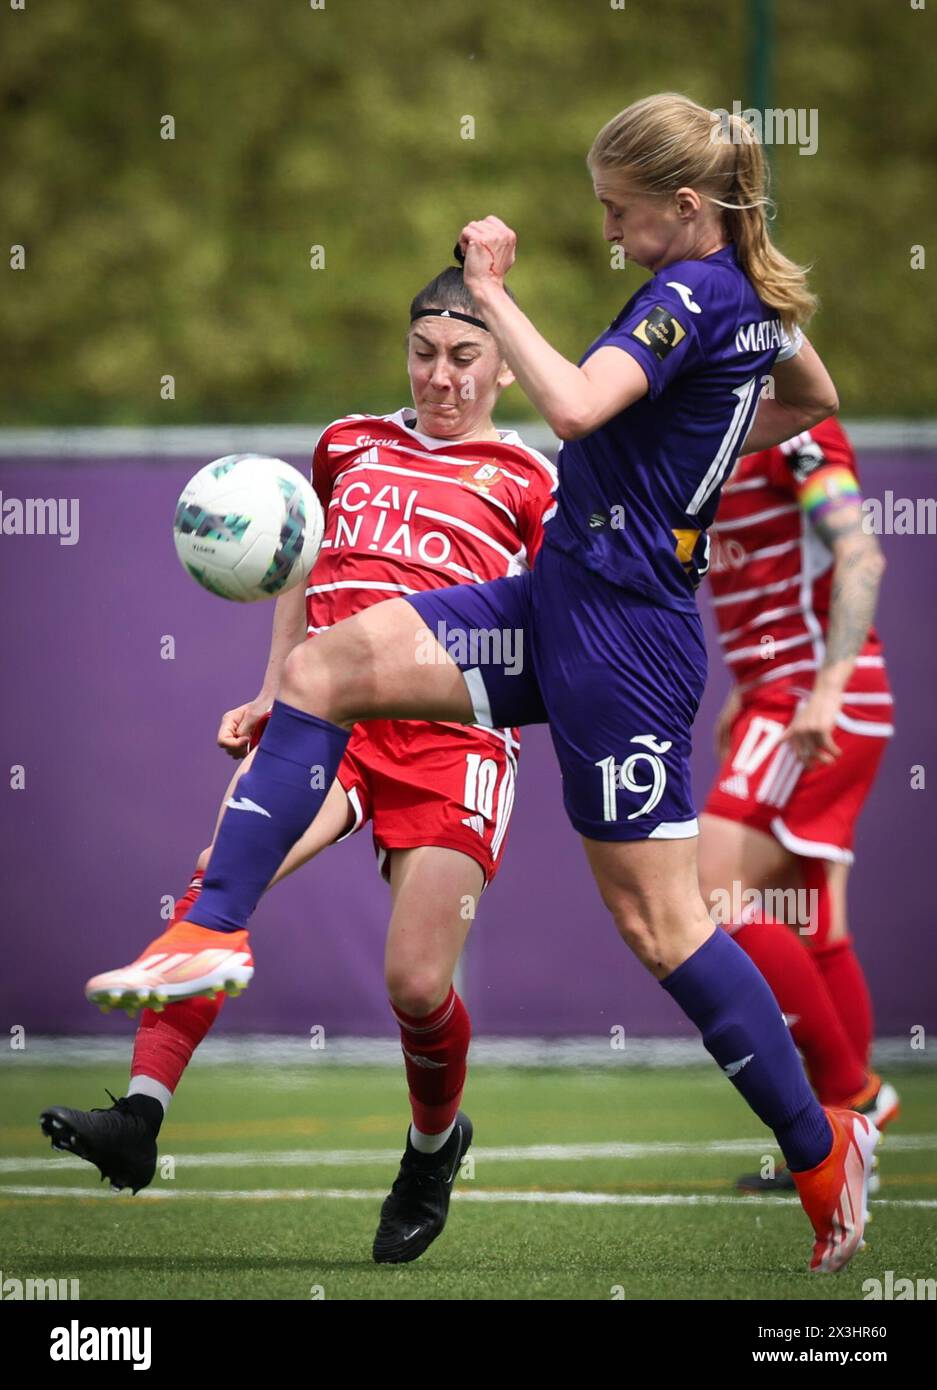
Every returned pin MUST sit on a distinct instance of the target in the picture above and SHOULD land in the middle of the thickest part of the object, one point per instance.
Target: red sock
(165, 1042)
(188, 898)
(837, 963)
(835, 1070)
(435, 1049)
(846, 984)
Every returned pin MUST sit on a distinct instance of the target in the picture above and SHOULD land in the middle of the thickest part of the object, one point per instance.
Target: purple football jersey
(637, 495)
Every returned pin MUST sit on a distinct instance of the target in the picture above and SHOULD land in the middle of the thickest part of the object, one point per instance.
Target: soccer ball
(248, 527)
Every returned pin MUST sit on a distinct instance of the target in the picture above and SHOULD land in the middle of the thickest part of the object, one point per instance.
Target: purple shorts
(617, 678)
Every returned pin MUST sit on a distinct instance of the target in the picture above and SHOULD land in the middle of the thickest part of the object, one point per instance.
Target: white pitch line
(539, 1153)
(352, 1194)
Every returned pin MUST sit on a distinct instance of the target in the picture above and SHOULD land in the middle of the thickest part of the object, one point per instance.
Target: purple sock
(272, 806)
(728, 999)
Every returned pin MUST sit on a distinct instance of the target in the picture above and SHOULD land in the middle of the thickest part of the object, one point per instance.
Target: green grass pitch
(271, 1180)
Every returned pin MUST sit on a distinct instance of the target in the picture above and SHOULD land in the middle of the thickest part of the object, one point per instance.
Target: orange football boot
(187, 960)
(835, 1194)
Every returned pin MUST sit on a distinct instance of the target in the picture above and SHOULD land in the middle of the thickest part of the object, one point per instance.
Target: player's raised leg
(186, 960)
(381, 663)
(122, 1140)
(435, 893)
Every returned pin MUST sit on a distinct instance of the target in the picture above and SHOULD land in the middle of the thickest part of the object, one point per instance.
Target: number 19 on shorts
(641, 773)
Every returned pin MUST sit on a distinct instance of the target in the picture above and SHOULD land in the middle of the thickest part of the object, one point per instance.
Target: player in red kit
(795, 579)
(421, 499)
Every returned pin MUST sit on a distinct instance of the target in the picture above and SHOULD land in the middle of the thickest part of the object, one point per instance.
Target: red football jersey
(407, 512)
(771, 574)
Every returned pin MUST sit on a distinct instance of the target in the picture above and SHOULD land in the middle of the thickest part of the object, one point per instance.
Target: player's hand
(488, 247)
(237, 725)
(722, 733)
(810, 732)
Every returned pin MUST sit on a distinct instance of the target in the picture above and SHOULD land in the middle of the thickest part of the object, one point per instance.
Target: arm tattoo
(856, 579)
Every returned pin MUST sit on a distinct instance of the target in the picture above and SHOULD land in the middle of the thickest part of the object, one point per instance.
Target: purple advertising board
(116, 671)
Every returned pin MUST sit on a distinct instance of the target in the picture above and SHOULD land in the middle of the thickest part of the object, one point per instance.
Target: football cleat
(116, 1139)
(835, 1193)
(187, 960)
(882, 1106)
(414, 1213)
(879, 1102)
(783, 1181)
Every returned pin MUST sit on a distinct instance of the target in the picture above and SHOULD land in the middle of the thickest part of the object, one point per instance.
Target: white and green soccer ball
(248, 527)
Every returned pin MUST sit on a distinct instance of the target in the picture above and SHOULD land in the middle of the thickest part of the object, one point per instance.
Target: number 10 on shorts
(625, 777)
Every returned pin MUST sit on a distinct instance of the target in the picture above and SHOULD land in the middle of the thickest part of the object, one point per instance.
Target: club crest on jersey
(482, 479)
(660, 331)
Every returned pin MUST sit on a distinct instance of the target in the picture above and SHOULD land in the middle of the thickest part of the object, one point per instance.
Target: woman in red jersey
(795, 578)
(420, 499)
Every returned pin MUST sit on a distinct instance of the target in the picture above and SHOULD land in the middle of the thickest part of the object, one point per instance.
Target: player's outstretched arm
(803, 395)
(289, 629)
(573, 400)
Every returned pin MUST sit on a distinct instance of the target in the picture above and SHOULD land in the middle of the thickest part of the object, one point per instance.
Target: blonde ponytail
(666, 142)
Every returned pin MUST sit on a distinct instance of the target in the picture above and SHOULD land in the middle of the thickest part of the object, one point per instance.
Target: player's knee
(416, 992)
(307, 680)
(632, 921)
(201, 863)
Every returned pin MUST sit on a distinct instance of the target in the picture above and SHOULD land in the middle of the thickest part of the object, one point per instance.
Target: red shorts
(449, 785)
(811, 811)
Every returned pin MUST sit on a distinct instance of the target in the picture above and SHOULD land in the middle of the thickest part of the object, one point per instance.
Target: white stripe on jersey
(770, 616)
(743, 653)
(466, 574)
(748, 485)
(768, 515)
(357, 584)
(730, 439)
(870, 661)
(787, 670)
(403, 447)
(811, 567)
(742, 594)
(768, 552)
(459, 525)
(865, 699)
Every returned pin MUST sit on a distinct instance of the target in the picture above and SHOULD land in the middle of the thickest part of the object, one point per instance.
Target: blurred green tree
(341, 126)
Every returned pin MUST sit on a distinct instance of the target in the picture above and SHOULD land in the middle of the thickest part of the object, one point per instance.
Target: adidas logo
(475, 823)
(736, 785)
